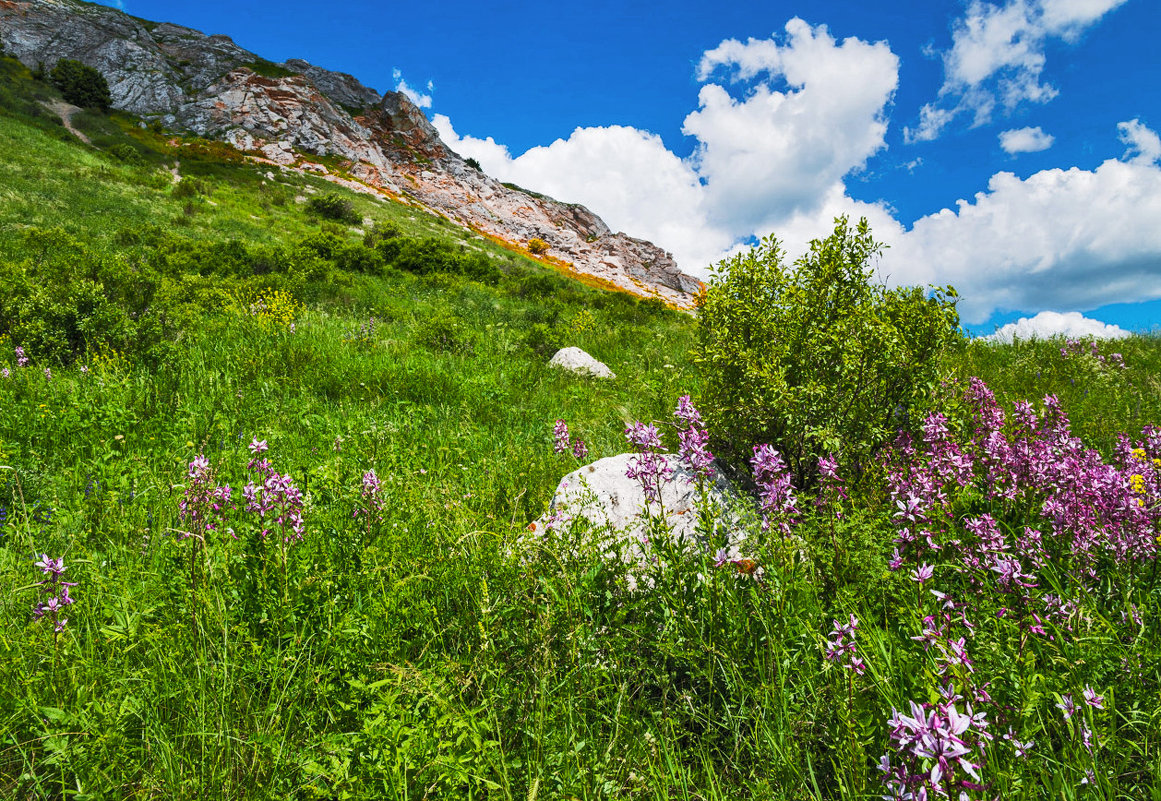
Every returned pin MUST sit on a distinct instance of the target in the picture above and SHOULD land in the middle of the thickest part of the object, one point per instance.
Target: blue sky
(1009, 148)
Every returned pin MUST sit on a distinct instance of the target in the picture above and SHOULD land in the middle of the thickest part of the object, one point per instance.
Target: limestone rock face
(210, 86)
(340, 87)
(577, 361)
(614, 505)
(141, 79)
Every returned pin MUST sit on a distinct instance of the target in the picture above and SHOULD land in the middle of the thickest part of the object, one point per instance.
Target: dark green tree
(816, 358)
(81, 84)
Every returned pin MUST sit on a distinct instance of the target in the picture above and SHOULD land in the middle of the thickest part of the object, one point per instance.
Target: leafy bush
(537, 245)
(126, 154)
(544, 339)
(380, 231)
(81, 84)
(816, 359)
(67, 299)
(429, 255)
(190, 187)
(331, 206)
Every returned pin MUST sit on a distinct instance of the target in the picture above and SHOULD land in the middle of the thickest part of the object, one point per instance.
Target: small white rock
(577, 361)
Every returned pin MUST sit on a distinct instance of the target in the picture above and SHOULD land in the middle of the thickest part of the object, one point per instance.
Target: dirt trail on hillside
(66, 111)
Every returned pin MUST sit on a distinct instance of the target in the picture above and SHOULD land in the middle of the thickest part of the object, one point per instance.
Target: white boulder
(615, 507)
(577, 361)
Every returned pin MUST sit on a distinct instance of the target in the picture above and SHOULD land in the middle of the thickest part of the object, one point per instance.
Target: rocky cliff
(291, 113)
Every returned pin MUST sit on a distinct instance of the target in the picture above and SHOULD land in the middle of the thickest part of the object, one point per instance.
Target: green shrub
(537, 246)
(544, 339)
(190, 187)
(380, 231)
(66, 299)
(359, 258)
(816, 358)
(429, 255)
(542, 285)
(81, 84)
(446, 333)
(331, 206)
(126, 154)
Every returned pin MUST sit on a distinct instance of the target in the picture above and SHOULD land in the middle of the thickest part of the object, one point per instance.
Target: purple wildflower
(205, 504)
(686, 413)
(372, 496)
(277, 501)
(1092, 699)
(693, 451)
(51, 567)
(54, 593)
(1022, 749)
(933, 744)
(896, 560)
(693, 439)
(645, 437)
(724, 556)
(923, 574)
(775, 491)
(841, 648)
(649, 466)
(560, 434)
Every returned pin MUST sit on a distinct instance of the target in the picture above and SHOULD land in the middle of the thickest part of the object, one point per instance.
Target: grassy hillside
(410, 641)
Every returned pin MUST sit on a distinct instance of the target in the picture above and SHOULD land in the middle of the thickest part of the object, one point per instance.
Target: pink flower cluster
(274, 497)
(1076, 347)
(841, 648)
(938, 751)
(372, 495)
(649, 465)
(54, 592)
(562, 443)
(692, 439)
(776, 496)
(1072, 506)
(205, 503)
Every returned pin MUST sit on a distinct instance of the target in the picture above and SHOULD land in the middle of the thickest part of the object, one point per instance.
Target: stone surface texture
(384, 144)
(577, 361)
(614, 505)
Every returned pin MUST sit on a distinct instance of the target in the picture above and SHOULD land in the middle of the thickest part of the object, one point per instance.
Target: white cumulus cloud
(1048, 324)
(1056, 239)
(414, 95)
(997, 58)
(791, 116)
(1144, 144)
(1025, 140)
